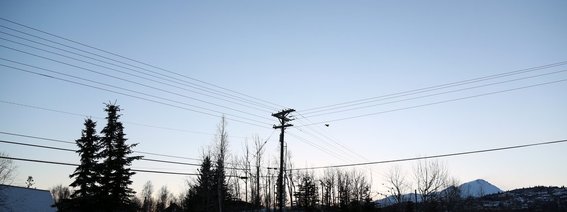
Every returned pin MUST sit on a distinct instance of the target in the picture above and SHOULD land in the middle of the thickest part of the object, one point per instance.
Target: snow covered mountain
(478, 188)
(475, 188)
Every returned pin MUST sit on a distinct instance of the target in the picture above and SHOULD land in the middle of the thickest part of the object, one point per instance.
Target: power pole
(283, 119)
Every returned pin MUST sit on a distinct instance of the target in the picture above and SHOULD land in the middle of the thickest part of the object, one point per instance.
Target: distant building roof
(14, 198)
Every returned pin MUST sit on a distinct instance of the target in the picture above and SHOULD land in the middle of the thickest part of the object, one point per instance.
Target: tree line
(228, 182)
(102, 180)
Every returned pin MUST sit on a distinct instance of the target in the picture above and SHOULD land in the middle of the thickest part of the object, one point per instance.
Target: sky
(248, 59)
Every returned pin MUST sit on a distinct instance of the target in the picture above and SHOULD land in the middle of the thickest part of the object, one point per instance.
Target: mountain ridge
(478, 188)
(475, 188)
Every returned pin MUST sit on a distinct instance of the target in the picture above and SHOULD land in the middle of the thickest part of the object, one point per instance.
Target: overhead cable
(133, 60)
(130, 95)
(158, 76)
(438, 102)
(119, 78)
(325, 138)
(431, 88)
(437, 94)
(123, 79)
(75, 165)
(69, 142)
(101, 118)
(435, 156)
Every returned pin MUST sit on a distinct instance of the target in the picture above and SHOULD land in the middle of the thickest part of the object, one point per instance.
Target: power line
(128, 95)
(326, 137)
(439, 102)
(123, 72)
(320, 148)
(72, 150)
(68, 142)
(316, 137)
(35, 145)
(437, 94)
(101, 118)
(35, 137)
(436, 156)
(75, 165)
(432, 88)
(123, 79)
(132, 60)
(160, 76)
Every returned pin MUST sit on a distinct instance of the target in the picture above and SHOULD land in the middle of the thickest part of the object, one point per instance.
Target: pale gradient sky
(306, 54)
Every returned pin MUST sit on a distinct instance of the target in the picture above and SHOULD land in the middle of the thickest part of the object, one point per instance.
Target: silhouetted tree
(135, 204)
(163, 198)
(86, 174)
(29, 182)
(430, 177)
(220, 182)
(360, 197)
(61, 195)
(307, 195)
(328, 184)
(344, 189)
(451, 196)
(245, 163)
(115, 171)
(6, 170)
(147, 197)
(200, 196)
(289, 177)
(6, 175)
(259, 152)
(397, 184)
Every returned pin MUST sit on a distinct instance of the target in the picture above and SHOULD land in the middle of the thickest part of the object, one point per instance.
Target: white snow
(22, 199)
(478, 188)
(475, 188)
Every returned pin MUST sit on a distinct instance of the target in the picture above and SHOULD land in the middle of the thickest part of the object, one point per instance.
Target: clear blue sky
(305, 54)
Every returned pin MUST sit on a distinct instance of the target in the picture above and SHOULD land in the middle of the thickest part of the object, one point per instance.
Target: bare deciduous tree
(328, 188)
(147, 197)
(361, 187)
(430, 177)
(7, 168)
(221, 150)
(246, 166)
(289, 177)
(259, 152)
(163, 199)
(60, 194)
(452, 195)
(396, 183)
(344, 188)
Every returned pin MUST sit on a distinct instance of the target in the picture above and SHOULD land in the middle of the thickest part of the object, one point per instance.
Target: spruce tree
(115, 180)
(201, 197)
(220, 186)
(86, 175)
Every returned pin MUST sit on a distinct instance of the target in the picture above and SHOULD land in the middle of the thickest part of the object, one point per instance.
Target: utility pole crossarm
(282, 114)
(283, 126)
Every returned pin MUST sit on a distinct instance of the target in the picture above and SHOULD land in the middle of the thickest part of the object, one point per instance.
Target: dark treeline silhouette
(102, 180)
(210, 191)
(248, 183)
(539, 198)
